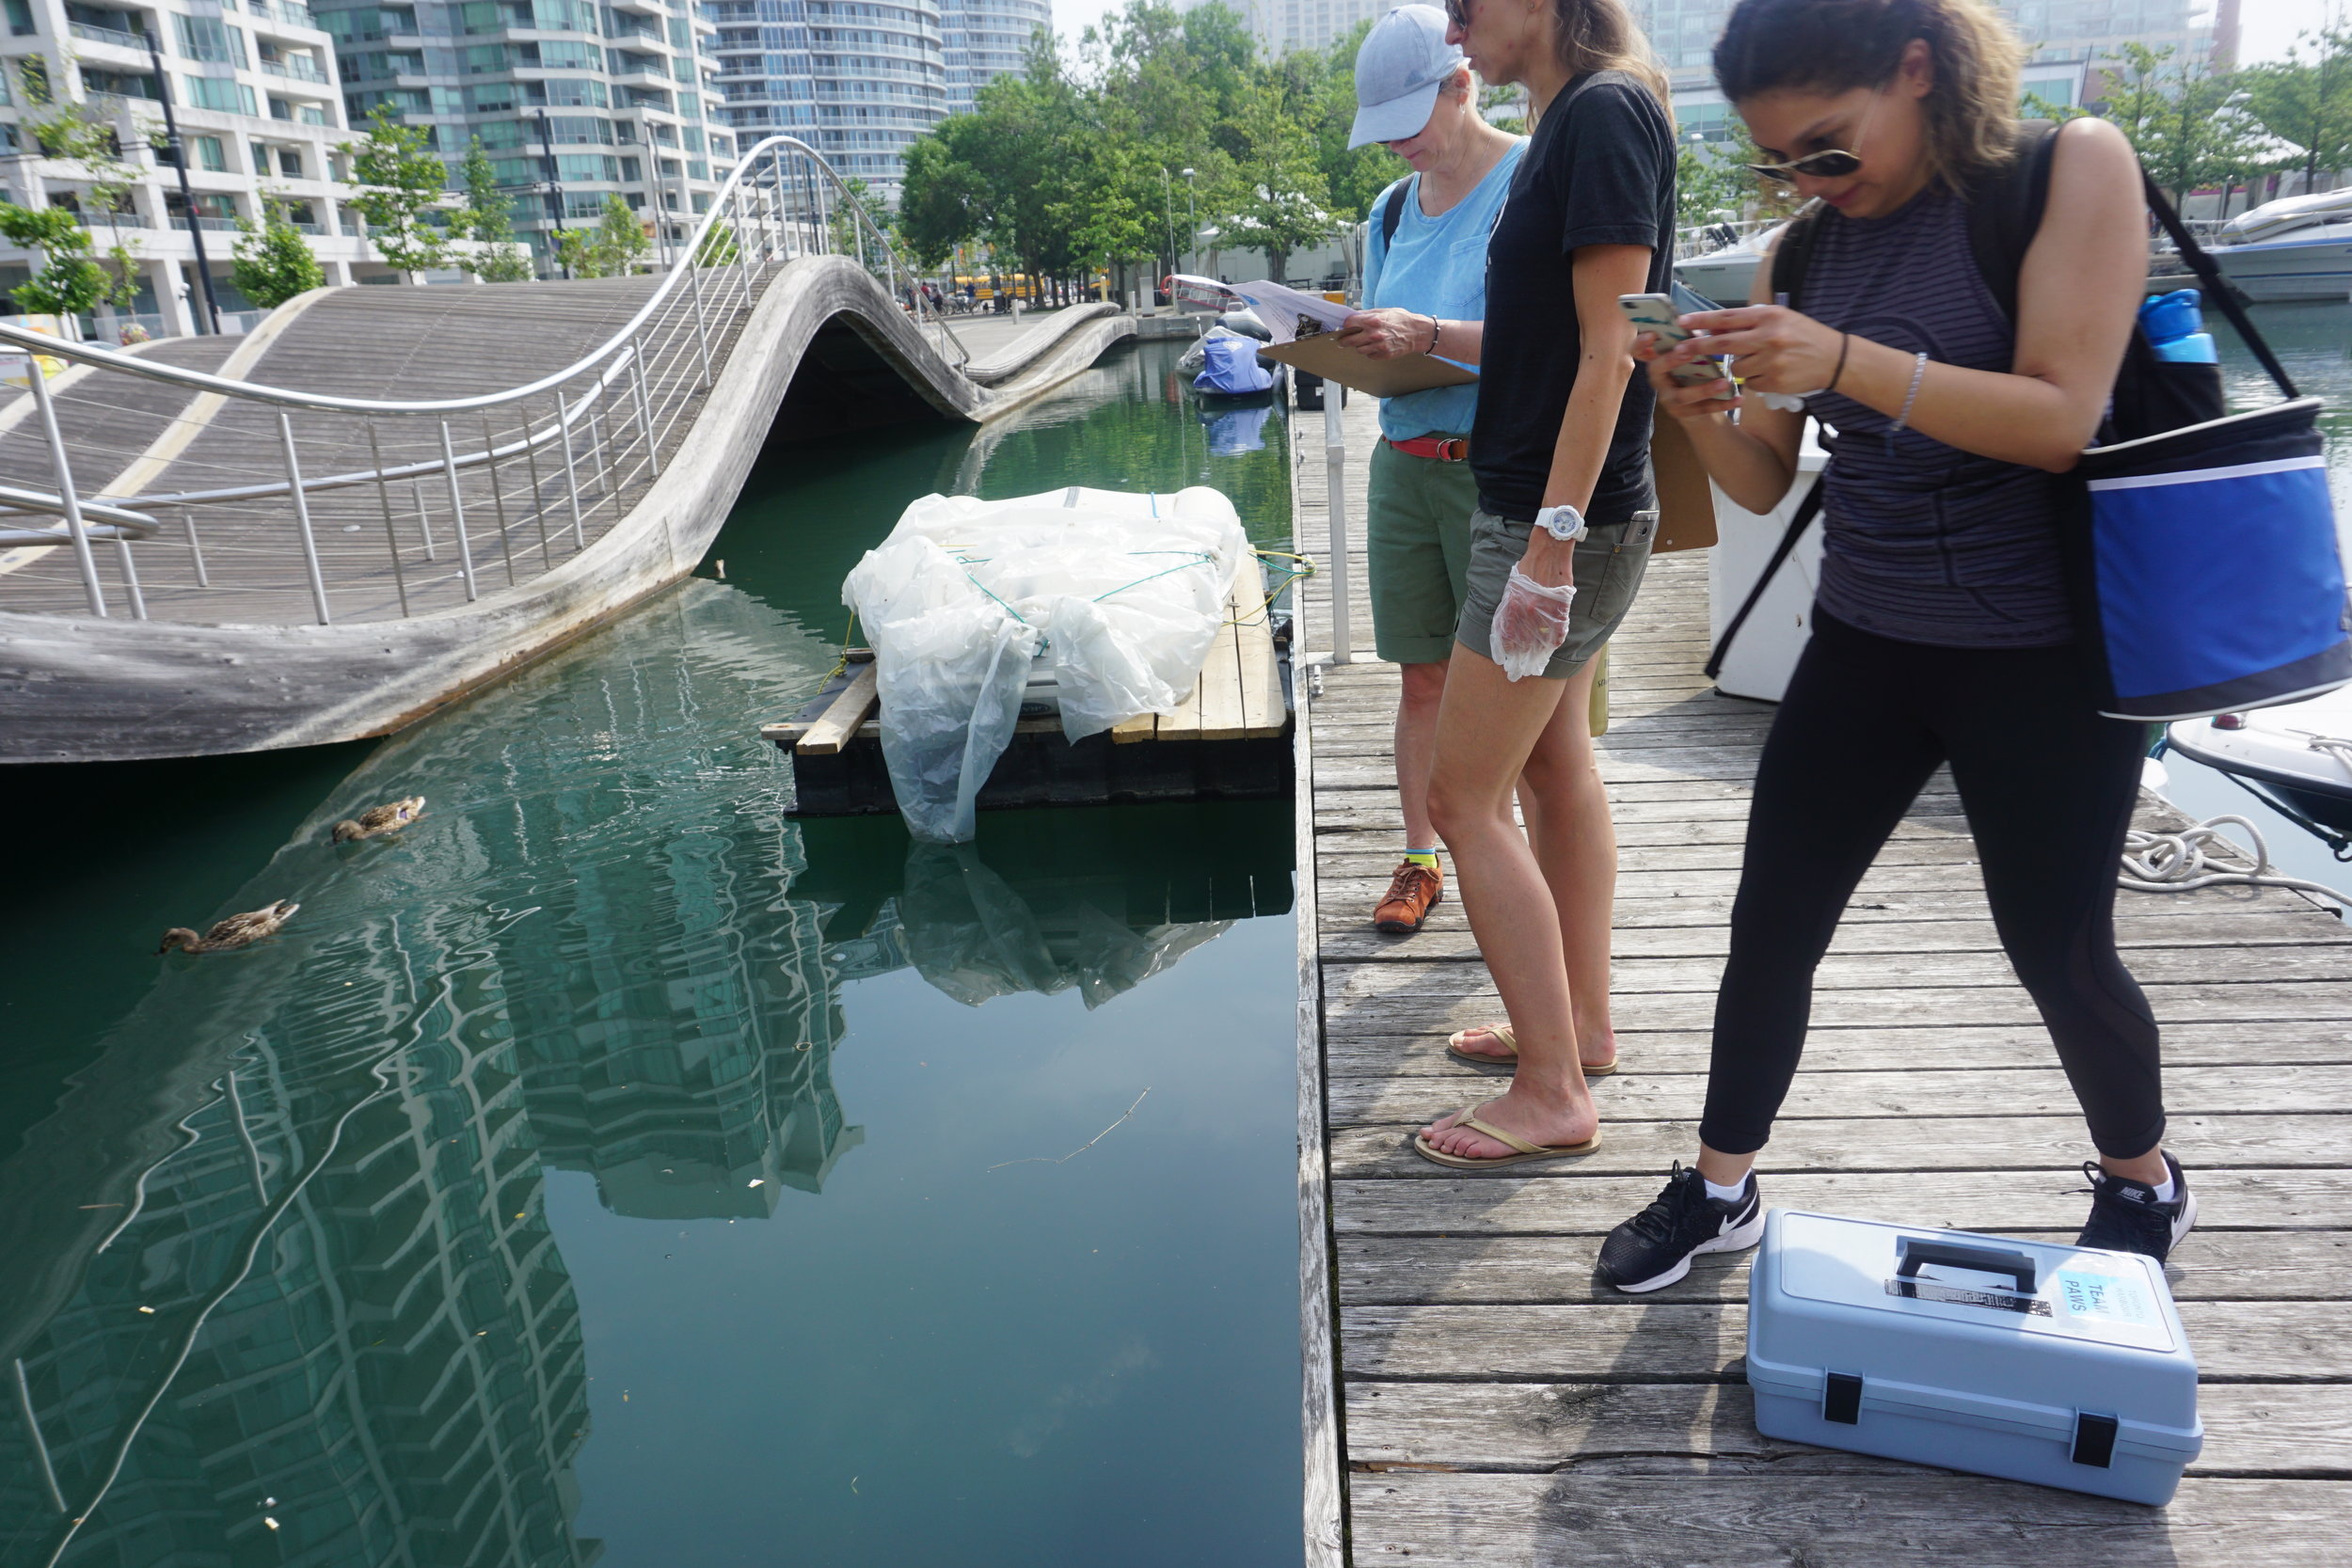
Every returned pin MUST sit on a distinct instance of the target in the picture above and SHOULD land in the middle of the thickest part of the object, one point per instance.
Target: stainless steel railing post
(302, 516)
(644, 408)
(702, 324)
(571, 469)
(538, 496)
(130, 578)
(64, 472)
(196, 550)
(497, 497)
(391, 539)
(457, 516)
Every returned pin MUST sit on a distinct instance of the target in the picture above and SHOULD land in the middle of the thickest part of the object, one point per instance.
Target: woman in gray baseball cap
(1424, 293)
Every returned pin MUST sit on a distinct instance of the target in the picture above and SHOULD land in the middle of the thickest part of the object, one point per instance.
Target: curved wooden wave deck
(76, 687)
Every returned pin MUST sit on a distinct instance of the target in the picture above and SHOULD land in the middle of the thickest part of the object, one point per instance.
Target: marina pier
(1478, 1400)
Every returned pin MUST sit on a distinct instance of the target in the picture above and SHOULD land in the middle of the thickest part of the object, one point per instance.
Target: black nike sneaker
(1654, 1248)
(2126, 1217)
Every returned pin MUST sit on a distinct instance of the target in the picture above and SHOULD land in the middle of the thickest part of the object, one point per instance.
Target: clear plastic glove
(1530, 624)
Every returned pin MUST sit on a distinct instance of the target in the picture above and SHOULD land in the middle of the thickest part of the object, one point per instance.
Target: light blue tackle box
(2060, 1365)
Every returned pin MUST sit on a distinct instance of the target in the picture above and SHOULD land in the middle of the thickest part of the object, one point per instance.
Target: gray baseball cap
(1403, 61)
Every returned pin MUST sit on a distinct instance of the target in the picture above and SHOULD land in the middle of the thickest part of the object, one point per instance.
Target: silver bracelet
(1918, 374)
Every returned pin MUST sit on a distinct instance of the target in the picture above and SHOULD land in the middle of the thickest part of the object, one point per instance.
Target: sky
(2266, 28)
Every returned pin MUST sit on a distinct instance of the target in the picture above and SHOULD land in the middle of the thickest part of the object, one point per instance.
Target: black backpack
(2152, 395)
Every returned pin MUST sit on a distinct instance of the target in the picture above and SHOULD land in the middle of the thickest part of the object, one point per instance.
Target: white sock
(2166, 1191)
(1726, 1195)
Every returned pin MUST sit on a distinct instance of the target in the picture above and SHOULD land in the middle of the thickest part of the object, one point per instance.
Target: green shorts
(1609, 561)
(1418, 532)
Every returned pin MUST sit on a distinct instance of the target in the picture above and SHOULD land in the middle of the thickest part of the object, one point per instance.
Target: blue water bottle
(2175, 327)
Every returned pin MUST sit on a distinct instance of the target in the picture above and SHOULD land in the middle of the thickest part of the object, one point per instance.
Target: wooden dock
(1497, 1406)
(1227, 740)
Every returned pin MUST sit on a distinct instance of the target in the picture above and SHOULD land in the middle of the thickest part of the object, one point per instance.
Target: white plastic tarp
(1113, 595)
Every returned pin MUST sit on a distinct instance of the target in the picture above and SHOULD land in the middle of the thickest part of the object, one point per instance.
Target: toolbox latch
(1841, 1400)
(2094, 1439)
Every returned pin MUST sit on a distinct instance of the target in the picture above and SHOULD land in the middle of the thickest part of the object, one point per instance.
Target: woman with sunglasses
(1941, 632)
(1560, 450)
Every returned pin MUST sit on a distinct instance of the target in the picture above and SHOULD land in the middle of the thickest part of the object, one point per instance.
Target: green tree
(852, 238)
(69, 282)
(398, 181)
(487, 218)
(272, 261)
(2191, 127)
(1326, 93)
(2306, 100)
(71, 132)
(1277, 200)
(611, 250)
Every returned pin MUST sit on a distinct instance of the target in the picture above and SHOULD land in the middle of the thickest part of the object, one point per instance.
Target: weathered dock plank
(1501, 1407)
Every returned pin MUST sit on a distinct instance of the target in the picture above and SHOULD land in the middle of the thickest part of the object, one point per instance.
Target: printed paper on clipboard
(1282, 308)
(1297, 322)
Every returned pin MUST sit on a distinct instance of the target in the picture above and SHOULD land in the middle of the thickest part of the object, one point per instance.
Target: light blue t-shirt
(1437, 267)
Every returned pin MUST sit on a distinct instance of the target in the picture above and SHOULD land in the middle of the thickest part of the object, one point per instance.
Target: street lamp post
(1167, 210)
(188, 198)
(555, 189)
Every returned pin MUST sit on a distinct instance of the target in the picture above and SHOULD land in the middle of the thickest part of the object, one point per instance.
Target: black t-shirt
(1600, 170)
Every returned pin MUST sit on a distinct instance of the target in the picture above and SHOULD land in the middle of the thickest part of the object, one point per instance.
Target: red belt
(1443, 449)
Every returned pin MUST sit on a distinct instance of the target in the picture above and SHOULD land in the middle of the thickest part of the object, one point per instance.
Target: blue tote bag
(2206, 561)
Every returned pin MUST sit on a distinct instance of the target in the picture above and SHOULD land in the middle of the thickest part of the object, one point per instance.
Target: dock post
(302, 517)
(457, 515)
(1335, 508)
(64, 471)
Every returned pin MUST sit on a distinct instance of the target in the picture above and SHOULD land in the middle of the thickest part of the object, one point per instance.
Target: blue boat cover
(1231, 368)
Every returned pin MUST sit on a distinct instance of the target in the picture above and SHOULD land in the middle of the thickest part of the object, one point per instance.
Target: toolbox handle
(1912, 1253)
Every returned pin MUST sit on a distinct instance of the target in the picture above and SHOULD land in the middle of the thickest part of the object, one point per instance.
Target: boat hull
(2315, 268)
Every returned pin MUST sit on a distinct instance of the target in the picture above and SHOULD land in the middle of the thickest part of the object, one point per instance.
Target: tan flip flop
(1527, 1152)
(1511, 1043)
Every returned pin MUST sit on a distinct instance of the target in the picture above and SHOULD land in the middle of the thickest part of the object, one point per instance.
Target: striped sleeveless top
(1922, 541)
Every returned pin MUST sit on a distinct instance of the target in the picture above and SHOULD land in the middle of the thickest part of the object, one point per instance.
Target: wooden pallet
(1226, 741)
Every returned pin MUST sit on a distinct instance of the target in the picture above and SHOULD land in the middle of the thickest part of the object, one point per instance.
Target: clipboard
(1382, 378)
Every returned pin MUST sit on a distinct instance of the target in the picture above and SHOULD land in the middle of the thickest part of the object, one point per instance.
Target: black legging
(2048, 786)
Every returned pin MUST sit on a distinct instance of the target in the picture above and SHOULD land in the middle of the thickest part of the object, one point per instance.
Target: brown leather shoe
(1413, 892)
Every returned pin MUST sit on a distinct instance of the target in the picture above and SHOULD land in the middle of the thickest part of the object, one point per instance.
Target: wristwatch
(1564, 523)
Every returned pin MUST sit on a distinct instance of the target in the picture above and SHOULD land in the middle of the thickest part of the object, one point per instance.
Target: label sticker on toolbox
(2107, 1298)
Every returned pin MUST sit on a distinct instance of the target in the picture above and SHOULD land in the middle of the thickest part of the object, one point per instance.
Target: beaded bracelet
(1918, 374)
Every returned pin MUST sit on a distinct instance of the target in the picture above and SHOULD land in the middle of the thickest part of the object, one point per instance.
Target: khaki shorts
(1417, 527)
(1609, 561)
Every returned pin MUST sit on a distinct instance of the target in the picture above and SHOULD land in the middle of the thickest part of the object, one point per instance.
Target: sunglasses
(1829, 164)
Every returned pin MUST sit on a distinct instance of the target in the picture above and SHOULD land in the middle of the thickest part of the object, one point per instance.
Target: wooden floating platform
(1503, 1409)
(1228, 740)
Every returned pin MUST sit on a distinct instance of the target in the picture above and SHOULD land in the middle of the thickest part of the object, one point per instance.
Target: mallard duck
(238, 930)
(380, 819)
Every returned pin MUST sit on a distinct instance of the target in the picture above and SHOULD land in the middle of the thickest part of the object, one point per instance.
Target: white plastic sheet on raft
(1115, 596)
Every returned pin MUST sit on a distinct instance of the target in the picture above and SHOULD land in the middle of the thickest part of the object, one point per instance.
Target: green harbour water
(613, 1170)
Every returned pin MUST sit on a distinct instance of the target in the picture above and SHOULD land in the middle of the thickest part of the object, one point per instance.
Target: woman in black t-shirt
(1561, 453)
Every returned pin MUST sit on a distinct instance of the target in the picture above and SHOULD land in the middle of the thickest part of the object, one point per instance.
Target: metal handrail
(599, 434)
(92, 354)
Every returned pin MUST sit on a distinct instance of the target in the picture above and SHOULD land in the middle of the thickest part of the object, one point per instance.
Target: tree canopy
(1168, 124)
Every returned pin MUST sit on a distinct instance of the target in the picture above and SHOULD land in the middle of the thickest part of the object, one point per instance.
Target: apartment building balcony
(285, 13)
(111, 38)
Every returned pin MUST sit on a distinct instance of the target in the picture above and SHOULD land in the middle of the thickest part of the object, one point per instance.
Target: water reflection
(277, 1275)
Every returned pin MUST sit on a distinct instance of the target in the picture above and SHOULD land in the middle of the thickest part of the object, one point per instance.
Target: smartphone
(1656, 314)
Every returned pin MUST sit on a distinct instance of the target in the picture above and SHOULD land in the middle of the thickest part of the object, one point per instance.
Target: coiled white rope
(2180, 862)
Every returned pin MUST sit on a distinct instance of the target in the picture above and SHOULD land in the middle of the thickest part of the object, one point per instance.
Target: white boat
(2297, 248)
(2300, 751)
(1720, 261)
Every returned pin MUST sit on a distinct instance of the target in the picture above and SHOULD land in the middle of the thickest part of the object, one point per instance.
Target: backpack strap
(1393, 212)
(1794, 254)
(2004, 212)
